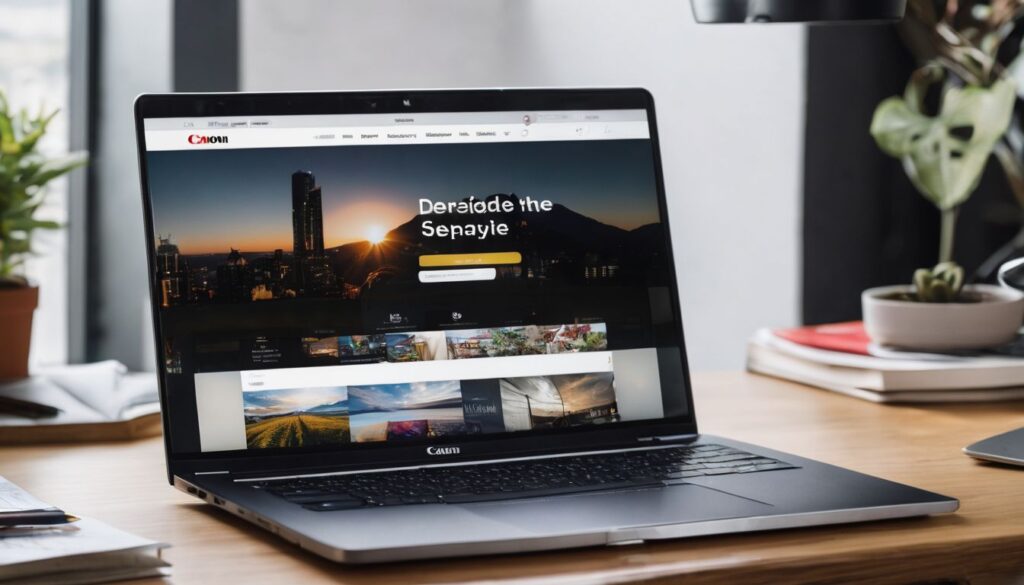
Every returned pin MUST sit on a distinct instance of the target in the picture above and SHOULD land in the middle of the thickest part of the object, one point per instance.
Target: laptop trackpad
(604, 510)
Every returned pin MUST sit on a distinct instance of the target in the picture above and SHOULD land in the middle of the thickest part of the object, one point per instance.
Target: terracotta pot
(16, 308)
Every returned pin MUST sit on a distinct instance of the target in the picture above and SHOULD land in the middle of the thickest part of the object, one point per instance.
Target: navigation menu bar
(229, 133)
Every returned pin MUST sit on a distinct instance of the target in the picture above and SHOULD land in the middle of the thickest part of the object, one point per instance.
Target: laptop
(410, 324)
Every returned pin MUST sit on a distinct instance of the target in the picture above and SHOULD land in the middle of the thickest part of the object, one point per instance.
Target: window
(34, 42)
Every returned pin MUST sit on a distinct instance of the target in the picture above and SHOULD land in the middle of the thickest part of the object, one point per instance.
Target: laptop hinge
(654, 439)
(667, 438)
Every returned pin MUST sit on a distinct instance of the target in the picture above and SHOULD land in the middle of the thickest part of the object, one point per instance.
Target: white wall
(135, 58)
(730, 107)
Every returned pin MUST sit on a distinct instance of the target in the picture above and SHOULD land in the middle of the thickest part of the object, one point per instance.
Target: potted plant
(944, 153)
(24, 174)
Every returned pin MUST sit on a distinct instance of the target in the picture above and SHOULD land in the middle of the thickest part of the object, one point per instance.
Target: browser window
(331, 281)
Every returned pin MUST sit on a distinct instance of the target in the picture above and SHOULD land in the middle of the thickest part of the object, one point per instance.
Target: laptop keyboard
(519, 479)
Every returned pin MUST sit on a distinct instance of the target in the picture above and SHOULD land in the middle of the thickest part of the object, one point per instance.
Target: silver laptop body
(413, 324)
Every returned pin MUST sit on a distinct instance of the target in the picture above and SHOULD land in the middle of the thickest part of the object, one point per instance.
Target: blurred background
(782, 207)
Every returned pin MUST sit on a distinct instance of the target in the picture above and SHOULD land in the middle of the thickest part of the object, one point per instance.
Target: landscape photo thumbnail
(416, 410)
(588, 398)
(321, 348)
(296, 417)
(540, 402)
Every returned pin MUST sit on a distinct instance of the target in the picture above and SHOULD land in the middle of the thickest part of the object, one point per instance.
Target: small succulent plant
(940, 284)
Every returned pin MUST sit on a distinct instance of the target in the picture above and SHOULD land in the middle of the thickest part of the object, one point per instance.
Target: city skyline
(213, 201)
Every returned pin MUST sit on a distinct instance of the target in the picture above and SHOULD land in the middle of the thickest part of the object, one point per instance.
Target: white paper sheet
(94, 548)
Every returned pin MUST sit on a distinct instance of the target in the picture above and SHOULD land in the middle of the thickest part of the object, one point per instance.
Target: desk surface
(123, 484)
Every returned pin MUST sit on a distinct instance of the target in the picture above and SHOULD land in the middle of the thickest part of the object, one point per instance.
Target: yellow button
(485, 258)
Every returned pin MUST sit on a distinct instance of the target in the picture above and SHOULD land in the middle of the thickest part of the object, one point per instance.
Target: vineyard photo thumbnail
(296, 417)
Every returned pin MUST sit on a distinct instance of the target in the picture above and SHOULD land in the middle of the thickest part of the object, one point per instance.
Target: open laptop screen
(330, 281)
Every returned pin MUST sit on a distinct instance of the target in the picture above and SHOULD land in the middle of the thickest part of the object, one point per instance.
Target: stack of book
(840, 357)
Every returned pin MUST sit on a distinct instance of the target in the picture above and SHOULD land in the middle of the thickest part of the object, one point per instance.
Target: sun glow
(375, 234)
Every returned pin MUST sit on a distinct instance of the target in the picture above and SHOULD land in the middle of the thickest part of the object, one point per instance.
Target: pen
(47, 517)
(26, 408)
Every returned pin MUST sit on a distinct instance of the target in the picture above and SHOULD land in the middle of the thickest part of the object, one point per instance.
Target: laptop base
(703, 506)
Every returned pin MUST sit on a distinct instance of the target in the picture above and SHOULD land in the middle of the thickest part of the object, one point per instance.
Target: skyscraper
(172, 273)
(312, 274)
(307, 217)
(167, 256)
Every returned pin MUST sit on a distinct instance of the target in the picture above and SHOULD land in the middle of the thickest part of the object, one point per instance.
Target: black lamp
(822, 11)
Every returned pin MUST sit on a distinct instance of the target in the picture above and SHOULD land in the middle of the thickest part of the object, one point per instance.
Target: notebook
(40, 544)
(99, 401)
(87, 551)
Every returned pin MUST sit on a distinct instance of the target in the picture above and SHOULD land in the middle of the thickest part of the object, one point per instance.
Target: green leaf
(35, 131)
(945, 155)
(8, 143)
(24, 174)
(16, 246)
(27, 224)
(895, 126)
(55, 168)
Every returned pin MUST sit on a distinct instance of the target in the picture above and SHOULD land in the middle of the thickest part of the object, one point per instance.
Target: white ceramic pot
(992, 321)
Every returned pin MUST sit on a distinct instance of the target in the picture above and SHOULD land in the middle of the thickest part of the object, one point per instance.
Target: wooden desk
(124, 485)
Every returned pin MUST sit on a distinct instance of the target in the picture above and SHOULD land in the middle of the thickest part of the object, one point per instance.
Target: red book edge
(847, 337)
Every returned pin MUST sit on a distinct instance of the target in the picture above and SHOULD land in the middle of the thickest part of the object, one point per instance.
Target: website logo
(443, 450)
(203, 139)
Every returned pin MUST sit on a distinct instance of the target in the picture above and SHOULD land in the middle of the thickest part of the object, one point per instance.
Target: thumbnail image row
(302, 417)
(460, 344)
